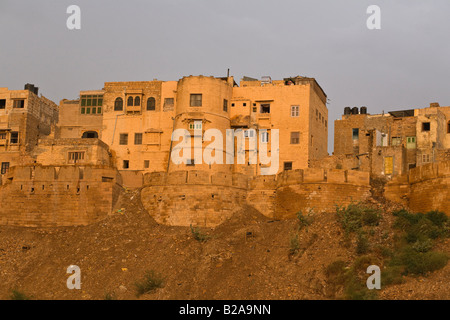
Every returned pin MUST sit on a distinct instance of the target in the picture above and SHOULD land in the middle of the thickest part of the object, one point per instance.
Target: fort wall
(50, 196)
(423, 189)
(204, 199)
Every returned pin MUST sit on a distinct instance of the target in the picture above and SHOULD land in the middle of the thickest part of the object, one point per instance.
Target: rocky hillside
(248, 257)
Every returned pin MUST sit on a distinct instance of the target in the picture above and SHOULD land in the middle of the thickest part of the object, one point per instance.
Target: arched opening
(118, 104)
(137, 101)
(130, 101)
(151, 104)
(90, 135)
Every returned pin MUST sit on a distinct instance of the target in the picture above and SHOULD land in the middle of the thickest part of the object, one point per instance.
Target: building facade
(24, 119)
(137, 119)
(392, 143)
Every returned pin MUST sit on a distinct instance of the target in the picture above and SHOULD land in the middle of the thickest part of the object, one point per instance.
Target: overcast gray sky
(406, 64)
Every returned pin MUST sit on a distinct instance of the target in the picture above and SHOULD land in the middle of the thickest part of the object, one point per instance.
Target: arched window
(151, 104)
(130, 102)
(90, 135)
(137, 101)
(118, 104)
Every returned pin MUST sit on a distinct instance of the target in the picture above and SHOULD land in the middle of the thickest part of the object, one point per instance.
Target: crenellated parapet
(203, 198)
(50, 196)
(422, 189)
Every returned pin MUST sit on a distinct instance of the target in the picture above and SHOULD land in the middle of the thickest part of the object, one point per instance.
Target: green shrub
(110, 296)
(423, 245)
(198, 235)
(419, 263)
(362, 244)
(439, 219)
(17, 295)
(294, 245)
(355, 216)
(356, 289)
(371, 217)
(392, 275)
(304, 220)
(352, 280)
(151, 282)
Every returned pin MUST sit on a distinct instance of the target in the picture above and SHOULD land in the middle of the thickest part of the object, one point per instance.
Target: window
(75, 157)
(2, 135)
(5, 167)
(264, 137)
(295, 111)
(126, 164)
(249, 133)
(146, 164)
(225, 105)
(130, 102)
(118, 104)
(426, 126)
(2, 103)
(137, 101)
(168, 104)
(425, 158)
(123, 139)
(196, 125)
(396, 141)
(19, 104)
(151, 104)
(90, 135)
(326, 123)
(448, 127)
(14, 138)
(196, 100)
(411, 142)
(355, 134)
(232, 104)
(254, 109)
(92, 101)
(138, 138)
(295, 137)
(287, 166)
(244, 104)
(265, 108)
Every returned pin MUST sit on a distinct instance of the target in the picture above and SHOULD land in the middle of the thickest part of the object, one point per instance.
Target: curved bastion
(201, 198)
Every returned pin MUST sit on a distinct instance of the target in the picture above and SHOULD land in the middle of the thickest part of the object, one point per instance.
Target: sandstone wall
(183, 198)
(204, 199)
(424, 189)
(48, 196)
(309, 189)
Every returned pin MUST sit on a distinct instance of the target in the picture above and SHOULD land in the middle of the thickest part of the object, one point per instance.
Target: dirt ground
(245, 258)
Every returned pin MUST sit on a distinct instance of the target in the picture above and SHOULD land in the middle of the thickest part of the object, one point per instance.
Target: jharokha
(201, 148)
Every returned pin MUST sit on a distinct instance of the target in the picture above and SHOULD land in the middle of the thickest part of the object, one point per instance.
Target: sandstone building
(393, 143)
(67, 166)
(136, 119)
(24, 119)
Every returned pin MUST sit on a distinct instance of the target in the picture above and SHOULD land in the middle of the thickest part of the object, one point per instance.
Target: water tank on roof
(355, 110)
(363, 110)
(347, 110)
